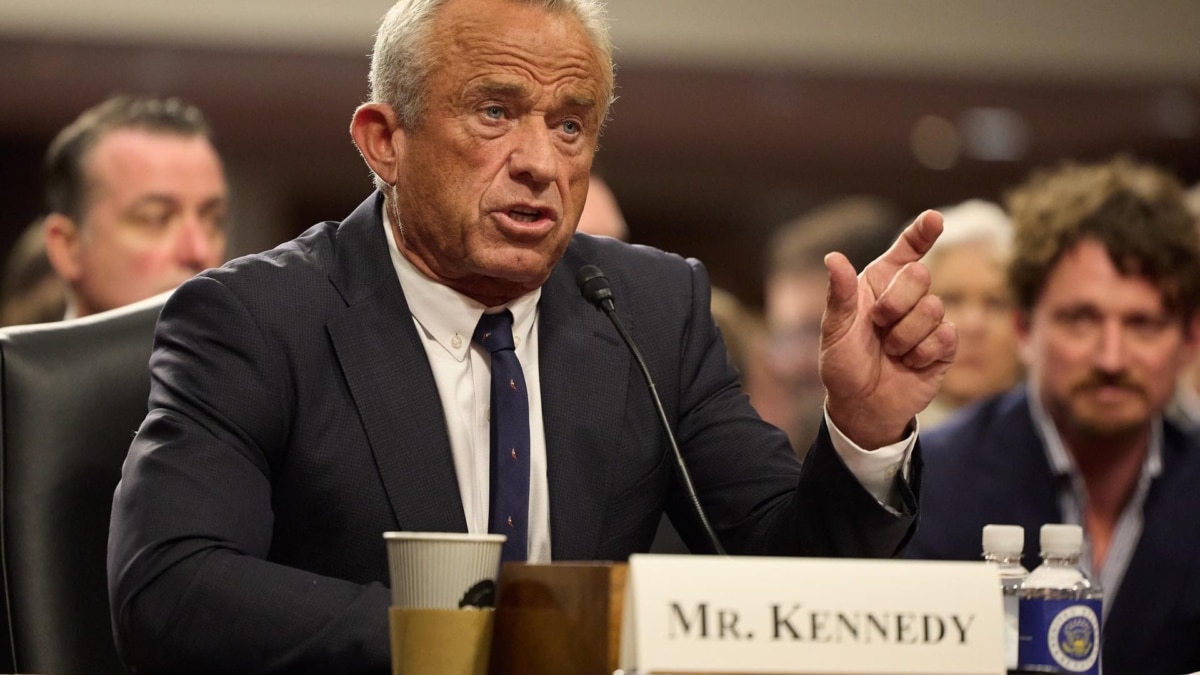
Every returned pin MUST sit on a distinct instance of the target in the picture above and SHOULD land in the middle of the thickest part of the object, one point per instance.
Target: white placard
(773, 616)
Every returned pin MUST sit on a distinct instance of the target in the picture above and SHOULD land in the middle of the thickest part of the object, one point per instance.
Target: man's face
(1101, 348)
(795, 303)
(154, 216)
(492, 181)
(784, 384)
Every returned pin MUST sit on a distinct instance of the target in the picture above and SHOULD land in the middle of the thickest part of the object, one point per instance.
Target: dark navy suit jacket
(988, 465)
(294, 418)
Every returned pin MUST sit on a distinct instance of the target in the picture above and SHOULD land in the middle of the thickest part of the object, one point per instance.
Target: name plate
(750, 615)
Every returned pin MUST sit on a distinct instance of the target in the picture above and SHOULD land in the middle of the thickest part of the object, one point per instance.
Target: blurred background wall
(733, 116)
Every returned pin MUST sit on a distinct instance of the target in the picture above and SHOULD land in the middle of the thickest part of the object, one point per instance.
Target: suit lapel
(584, 375)
(390, 379)
(1018, 457)
(1167, 554)
(584, 378)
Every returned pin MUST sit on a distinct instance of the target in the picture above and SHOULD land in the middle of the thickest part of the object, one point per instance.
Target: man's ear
(380, 139)
(63, 246)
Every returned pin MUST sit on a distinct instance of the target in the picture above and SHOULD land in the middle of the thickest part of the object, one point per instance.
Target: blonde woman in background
(967, 269)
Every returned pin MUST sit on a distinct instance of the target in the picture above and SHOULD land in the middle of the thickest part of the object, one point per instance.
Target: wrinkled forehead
(549, 44)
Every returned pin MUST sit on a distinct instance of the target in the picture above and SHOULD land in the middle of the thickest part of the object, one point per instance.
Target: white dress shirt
(445, 321)
(1073, 499)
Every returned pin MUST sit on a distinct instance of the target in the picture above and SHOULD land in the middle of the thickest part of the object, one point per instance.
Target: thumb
(841, 302)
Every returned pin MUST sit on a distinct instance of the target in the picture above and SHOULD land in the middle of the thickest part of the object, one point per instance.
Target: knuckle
(948, 338)
(895, 343)
(918, 274)
(934, 308)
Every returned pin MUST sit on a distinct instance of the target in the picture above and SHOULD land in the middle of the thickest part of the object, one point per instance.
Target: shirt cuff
(876, 469)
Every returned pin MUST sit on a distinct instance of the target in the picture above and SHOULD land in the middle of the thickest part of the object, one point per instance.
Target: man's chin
(518, 266)
(1111, 426)
(520, 278)
(497, 285)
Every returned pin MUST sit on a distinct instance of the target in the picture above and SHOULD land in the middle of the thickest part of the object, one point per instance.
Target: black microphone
(594, 287)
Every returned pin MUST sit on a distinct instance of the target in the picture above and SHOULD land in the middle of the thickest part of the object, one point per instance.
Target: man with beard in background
(1105, 279)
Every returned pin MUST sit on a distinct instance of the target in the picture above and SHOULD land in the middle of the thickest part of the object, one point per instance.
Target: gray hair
(974, 221)
(401, 61)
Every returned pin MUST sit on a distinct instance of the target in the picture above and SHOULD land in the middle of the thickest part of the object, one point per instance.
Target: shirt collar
(447, 316)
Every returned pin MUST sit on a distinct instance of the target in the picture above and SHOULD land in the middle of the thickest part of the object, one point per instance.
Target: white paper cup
(443, 570)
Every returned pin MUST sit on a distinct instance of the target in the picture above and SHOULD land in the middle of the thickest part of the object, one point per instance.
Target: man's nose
(1110, 353)
(969, 317)
(198, 245)
(535, 158)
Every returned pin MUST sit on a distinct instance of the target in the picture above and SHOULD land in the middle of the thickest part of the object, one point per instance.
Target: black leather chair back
(72, 394)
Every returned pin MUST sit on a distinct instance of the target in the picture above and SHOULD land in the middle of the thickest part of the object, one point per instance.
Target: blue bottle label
(1060, 636)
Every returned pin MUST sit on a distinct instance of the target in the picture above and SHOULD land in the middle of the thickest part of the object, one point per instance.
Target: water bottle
(1003, 545)
(1060, 609)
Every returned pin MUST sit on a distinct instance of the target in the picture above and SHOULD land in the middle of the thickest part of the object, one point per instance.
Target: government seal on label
(1074, 638)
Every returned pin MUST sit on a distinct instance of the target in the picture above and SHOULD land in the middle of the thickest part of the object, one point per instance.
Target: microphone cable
(595, 288)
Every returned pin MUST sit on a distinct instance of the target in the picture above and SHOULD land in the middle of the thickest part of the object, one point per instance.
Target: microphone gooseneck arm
(594, 287)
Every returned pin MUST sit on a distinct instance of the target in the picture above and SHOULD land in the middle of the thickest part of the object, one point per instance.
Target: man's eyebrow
(498, 88)
(170, 201)
(155, 199)
(502, 89)
(215, 202)
(580, 100)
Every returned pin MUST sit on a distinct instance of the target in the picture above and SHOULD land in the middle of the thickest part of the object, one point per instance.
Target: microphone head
(594, 286)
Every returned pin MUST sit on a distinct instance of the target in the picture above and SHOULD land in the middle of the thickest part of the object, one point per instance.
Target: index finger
(912, 245)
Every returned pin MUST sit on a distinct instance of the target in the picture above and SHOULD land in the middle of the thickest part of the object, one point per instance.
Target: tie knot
(494, 332)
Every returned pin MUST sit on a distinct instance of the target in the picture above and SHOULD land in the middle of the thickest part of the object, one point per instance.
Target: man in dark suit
(1106, 281)
(308, 399)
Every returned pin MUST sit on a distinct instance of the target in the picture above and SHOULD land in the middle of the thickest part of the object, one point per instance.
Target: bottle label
(1060, 636)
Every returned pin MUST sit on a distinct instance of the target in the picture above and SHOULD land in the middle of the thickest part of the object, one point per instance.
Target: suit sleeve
(192, 516)
(758, 496)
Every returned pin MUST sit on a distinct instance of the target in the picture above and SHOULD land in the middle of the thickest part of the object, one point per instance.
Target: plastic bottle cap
(1061, 540)
(1008, 540)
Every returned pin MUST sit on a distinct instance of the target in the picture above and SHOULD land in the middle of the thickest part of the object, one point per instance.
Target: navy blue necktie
(509, 510)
